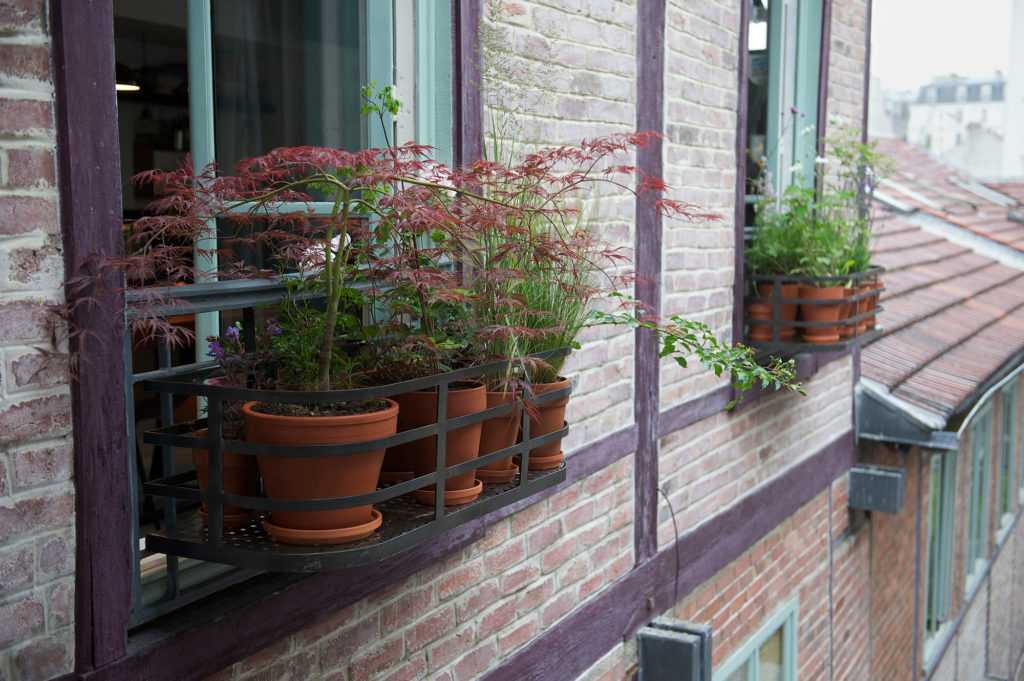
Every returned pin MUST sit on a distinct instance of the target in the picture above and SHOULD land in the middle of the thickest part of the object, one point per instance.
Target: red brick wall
(36, 494)
(892, 571)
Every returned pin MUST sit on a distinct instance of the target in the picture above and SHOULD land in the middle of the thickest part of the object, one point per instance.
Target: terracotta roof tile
(951, 317)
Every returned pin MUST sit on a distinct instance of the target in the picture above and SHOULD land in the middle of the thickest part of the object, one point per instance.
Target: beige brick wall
(701, 64)
(467, 613)
(568, 72)
(710, 465)
(36, 493)
(846, 64)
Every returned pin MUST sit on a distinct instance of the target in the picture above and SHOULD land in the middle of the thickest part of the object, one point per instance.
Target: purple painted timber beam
(867, 73)
(650, 64)
(90, 203)
(468, 90)
(739, 288)
(616, 613)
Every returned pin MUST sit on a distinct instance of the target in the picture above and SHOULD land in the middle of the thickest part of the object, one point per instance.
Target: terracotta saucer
(452, 497)
(340, 535)
(546, 463)
(491, 477)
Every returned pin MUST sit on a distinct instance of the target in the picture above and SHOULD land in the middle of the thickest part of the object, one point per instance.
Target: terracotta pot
(321, 477)
(821, 312)
(239, 476)
(759, 316)
(787, 311)
(846, 310)
(551, 417)
(463, 444)
(499, 433)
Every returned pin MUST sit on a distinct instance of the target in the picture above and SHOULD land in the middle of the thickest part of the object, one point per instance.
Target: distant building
(961, 121)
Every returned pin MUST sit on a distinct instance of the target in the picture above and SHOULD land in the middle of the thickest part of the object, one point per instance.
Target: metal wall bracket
(674, 650)
(876, 488)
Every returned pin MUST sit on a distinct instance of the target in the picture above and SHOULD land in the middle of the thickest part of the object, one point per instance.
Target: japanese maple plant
(414, 268)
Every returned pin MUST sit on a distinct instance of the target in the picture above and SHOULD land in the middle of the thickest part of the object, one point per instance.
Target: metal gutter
(968, 239)
(884, 417)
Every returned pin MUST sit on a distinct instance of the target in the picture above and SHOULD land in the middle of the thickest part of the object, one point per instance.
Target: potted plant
(776, 250)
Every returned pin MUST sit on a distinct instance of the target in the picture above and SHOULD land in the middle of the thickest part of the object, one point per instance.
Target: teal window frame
(1007, 458)
(794, 76)
(787, 619)
(978, 501)
(939, 573)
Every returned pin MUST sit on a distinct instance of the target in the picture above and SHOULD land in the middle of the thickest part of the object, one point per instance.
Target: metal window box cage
(778, 313)
(406, 522)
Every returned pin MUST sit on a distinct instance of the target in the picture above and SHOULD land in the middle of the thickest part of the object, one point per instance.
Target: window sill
(1005, 526)
(935, 645)
(976, 577)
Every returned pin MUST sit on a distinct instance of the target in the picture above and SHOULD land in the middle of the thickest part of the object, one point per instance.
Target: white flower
(821, 161)
(809, 130)
(796, 167)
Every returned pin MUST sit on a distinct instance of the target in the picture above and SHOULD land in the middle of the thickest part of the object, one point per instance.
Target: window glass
(783, 45)
(769, 655)
(977, 531)
(287, 74)
(941, 519)
(770, 658)
(1008, 452)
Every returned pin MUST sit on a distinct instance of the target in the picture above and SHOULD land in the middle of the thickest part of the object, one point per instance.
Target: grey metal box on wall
(877, 488)
(673, 650)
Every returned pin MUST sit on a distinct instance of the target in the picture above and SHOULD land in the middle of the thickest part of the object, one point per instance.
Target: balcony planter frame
(407, 523)
(776, 325)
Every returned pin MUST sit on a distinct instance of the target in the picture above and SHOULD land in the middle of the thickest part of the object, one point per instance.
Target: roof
(954, 312)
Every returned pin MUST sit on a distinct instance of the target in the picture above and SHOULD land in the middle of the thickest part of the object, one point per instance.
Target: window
(770, 655)
(978, 510)
(223, 80)
(998, 90)
(784, 43)
(941, 519)
(1007, 456)
(974, 92)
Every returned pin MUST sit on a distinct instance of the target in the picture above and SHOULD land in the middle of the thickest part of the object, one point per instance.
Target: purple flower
(273, 328)
(233, 333)
(215, 349)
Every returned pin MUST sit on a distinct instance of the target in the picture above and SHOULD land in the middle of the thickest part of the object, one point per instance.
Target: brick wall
(711, 464)
(36, 493)
(468, 612)
(846, 64)
(893, 569)
(566, 70)
(701, 64)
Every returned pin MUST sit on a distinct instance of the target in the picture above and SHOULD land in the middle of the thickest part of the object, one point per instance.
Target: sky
(912, 41)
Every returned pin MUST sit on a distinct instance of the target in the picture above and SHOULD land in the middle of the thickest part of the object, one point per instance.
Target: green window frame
(978, 508)
(792, 46)
(941, 521)
(1007, 457)
(779, 632)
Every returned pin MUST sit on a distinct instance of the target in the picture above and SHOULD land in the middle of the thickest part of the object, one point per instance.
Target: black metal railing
(406, 522)
(778, 322)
